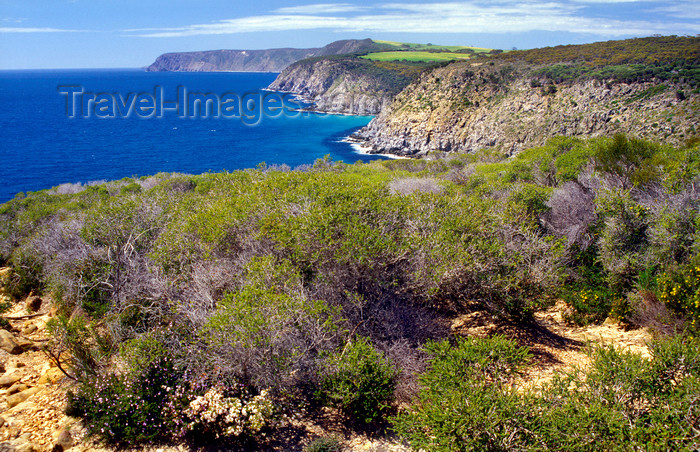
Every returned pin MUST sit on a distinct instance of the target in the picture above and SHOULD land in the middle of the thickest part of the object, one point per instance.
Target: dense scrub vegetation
(234, 298)
(471, 400)
(648, 51)
(665, 58)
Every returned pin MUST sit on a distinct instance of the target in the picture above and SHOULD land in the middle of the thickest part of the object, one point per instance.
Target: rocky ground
(31, 393)
(32, 388)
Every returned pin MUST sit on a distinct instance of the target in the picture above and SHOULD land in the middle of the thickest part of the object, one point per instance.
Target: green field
(417, 56)
(423, 52)
(414, 46)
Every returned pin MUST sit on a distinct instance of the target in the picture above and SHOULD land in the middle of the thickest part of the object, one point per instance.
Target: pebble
(64, 440)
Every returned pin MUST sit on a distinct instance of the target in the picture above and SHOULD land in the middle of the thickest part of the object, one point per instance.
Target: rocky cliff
(347, 84)
(270, 60)
(452, 109)
(512, 104)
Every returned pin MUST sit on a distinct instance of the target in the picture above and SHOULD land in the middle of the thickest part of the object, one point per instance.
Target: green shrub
(268, 333)
(533, 197)
(466, 403)
(627, 160)
(680, 290)
(26, 275)
(593, 305)
(673, 233)
(325, 444)
(623, 239)
(359, 381)
(133, 187)
(624, 401)
(126, 408)
(77, 343)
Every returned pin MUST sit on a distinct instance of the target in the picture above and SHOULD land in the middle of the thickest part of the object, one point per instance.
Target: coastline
(363, 149)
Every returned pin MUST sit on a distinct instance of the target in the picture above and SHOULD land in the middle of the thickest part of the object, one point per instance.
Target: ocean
(59, 126)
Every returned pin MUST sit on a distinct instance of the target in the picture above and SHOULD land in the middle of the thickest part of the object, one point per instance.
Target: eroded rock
(29, 329)
(33, 304)
(9, 343)
(51, 376)
(25, 343)
(8, 380)
(20, 397)
(17, 387)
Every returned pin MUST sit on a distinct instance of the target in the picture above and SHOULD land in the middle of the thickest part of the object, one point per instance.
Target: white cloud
(611, 1)
(14, 20)
(680, 10)
(505, 16)
(35, 30)
(321, 8)
(252, 24)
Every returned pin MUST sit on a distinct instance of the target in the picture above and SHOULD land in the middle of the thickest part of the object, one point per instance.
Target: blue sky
(132, 33)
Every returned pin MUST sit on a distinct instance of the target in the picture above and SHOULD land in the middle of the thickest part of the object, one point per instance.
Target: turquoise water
(42, 146)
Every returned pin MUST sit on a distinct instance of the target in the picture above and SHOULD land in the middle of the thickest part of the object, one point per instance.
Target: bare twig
(28, 316)
(347, 344)
(56, 360)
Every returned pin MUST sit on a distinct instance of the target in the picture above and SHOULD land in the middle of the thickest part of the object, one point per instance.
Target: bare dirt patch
(555, 344)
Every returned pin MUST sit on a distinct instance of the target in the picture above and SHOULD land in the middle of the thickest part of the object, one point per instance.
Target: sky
(36, 34)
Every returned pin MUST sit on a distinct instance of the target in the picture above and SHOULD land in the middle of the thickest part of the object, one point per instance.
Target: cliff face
(346, 84)
(270, 60)
(469, 106)
(229, 60)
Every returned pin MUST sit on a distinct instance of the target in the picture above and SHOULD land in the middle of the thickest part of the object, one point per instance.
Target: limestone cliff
(512, 104)
(270, 60)
(347, 84)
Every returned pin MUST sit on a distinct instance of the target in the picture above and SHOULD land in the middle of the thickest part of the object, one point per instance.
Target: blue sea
(63, 126)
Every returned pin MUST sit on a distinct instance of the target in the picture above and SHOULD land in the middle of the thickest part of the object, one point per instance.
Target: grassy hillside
(210, 307)
(418, 47)
(422, 52)
(416, 56)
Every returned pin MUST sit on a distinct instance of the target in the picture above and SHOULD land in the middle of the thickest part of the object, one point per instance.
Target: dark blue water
(41, 146)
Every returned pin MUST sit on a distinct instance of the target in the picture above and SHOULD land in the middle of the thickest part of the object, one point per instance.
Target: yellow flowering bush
(680, 290)
(594, 304)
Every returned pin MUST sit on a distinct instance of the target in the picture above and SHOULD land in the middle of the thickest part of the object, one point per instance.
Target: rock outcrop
(269, 60)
